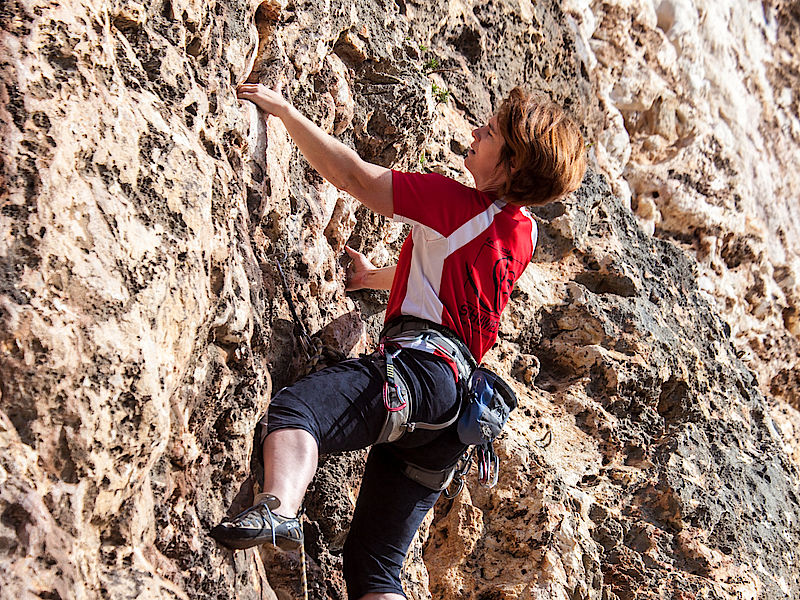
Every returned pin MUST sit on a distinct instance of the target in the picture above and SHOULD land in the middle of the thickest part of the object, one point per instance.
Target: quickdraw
(393, 397)
(488, 469)
(300, 330)
(313, 347)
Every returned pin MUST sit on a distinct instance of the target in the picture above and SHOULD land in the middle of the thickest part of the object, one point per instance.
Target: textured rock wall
(143, 209)
(699, 109)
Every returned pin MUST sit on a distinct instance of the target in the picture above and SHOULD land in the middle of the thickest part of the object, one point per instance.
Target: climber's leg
(337, 409)
(388, 512)
(290, 461)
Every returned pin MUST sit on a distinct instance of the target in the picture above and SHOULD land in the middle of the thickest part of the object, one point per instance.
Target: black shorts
(342, 408)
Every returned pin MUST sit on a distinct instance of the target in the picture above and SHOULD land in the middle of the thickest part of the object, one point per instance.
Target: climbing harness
(485, 403)
(411, 333)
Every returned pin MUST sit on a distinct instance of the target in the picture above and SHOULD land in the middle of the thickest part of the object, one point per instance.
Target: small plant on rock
(440, 94)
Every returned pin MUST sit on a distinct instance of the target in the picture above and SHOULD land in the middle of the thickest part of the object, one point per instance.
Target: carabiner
(390, 380)
(450, 495)
(386, 395)
(488, 467)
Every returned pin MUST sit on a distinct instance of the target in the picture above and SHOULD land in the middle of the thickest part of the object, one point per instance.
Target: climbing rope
(323, 355)
(300, 330)
(316, 351)
(303, 571)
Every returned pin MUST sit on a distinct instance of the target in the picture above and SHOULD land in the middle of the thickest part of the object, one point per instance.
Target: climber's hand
(340, 165)
(270, 101)
(359, 271)
(362, 274)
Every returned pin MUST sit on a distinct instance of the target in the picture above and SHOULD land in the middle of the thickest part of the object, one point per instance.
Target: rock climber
(454, 275)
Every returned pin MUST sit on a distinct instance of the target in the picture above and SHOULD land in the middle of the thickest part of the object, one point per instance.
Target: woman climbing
(456, 269)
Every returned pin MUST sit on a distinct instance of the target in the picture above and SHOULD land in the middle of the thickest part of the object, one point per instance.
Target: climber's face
(483, 157)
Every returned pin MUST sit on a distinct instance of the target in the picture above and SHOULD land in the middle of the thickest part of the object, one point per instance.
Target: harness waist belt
(418, 334)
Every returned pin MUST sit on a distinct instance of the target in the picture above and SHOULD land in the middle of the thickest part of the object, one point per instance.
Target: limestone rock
(146, 213)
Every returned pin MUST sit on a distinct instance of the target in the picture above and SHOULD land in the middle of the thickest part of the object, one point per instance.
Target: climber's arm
(369, 183)
(362, 274)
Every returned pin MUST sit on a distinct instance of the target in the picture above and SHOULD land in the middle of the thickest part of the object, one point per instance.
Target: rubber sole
(223, 535)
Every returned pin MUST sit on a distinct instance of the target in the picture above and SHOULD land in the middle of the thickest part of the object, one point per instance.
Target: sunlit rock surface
(700, 130)
(145, 212)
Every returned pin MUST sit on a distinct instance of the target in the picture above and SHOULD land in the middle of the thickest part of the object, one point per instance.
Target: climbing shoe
(260, 525)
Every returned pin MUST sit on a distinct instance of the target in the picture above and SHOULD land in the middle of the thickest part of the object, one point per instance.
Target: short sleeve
(434, 201)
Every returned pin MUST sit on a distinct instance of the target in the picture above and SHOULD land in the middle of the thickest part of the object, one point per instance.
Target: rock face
(700, 132)
(653, 343)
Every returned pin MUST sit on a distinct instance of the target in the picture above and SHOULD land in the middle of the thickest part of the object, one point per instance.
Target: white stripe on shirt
(427, 261)
(534, 229)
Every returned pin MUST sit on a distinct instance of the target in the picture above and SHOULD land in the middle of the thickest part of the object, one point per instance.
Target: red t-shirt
(460, 262)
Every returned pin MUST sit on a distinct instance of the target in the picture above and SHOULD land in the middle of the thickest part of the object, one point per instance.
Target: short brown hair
(545, 146)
